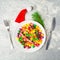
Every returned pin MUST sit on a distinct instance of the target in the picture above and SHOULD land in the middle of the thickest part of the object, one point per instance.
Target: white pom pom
(30, 8)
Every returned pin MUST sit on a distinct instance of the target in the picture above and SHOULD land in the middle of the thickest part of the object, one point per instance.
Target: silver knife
(52, 29)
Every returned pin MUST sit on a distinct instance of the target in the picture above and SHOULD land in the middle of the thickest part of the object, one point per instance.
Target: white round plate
(19, 45)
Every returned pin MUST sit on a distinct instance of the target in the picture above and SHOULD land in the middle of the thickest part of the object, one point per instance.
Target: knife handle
(48, 42)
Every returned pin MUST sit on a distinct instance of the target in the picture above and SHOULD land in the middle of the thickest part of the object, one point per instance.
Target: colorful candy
(30, 35)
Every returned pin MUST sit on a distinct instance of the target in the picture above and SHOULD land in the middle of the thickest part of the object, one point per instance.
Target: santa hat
(21, 15)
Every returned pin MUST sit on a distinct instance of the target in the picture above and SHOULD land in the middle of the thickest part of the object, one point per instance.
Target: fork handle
(12, 45)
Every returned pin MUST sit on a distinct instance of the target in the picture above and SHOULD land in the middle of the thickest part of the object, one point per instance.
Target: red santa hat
(22, 13)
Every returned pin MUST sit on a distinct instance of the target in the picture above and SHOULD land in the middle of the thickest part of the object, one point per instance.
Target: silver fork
(7, 24)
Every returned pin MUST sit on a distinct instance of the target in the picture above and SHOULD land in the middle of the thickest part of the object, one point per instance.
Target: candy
(36, 38)
(23, 43)
(37, 45)
(27, 35)
(20, 39)
(33, 31)
(33, 46)
(17, 38)
(34, 25)
(18, 31)
(40, 41)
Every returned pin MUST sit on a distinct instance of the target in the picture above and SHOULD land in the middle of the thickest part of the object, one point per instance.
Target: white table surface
(9, 9)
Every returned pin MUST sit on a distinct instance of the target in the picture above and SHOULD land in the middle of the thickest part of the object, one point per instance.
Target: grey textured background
(8, 10)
